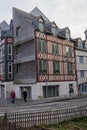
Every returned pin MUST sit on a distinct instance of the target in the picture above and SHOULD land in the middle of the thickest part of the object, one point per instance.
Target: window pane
(10, 75)
(54, 48)
(19, 68)
(56, 67)
(17, 31)
(82, 73)
(42, 67)
(70, 71)
(41, 27)
(81, 59)
(54, 31)
(18, 49)
(68, 51)
(2, 50)
(9, 51)
(42, 45)
(67, 34)
(80, 45)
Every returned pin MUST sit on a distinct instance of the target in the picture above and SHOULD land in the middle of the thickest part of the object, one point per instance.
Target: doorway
(28, 89)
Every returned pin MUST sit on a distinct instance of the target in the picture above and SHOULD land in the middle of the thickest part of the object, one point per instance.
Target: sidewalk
(20, 102)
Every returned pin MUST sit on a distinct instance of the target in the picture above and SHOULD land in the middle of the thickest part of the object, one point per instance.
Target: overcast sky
(65, 13)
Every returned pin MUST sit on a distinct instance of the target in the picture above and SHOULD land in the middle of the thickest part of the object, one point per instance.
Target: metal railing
(27, 120)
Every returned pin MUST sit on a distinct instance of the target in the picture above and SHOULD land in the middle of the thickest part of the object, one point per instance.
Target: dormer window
(18, 31)
(41, 24)
(41, 27)
(67, 34)
(54, 31)
(86, 45)
(80, 45)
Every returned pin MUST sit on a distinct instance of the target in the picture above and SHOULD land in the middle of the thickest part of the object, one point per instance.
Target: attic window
(17, 31)
(54, 31)
(86, 45)
(80, 45)
(41, 26)
(67, 34)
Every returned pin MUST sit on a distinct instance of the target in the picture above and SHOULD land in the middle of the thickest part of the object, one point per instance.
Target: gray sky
(65, 13)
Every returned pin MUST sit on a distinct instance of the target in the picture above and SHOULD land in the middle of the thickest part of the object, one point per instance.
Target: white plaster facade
(81, 66)
(37, 89)
(5, 89)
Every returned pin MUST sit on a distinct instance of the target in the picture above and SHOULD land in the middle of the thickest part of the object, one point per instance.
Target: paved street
(39, 105)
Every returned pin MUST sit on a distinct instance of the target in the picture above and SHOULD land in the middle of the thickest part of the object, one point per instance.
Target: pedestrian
(71, 91)
(13, 95)
(24, 94)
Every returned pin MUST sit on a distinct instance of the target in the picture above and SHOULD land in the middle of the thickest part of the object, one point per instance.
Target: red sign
(9, 40)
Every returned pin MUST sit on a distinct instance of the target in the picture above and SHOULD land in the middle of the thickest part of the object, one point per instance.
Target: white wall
(81, 66)
(37, 89)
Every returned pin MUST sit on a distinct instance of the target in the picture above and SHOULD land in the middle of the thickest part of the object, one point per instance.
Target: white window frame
(2, 46)
(10, 72)
(9, 54)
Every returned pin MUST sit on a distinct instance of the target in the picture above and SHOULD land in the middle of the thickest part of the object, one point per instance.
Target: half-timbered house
(44, 57)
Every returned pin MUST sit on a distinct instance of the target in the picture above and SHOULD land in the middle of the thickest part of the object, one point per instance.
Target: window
(54, 48)
(70, 69)
(17, 31)
(42, 67)
(50, 91)
(19, 68)
(68, 51)
(81, 59)
(42, 45)
(56, 67)
(10, 70)
(80, 45)
(67, 34)
(2, 70)
(54, 31)
(18, 49)
(86, 45)
(41, 27)
(9, 51)
(82, 73)
(2, 50)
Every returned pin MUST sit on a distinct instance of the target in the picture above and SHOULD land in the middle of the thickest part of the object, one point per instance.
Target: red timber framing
(50, 57)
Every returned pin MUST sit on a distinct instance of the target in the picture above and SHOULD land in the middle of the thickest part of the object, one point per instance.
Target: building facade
(6, 58)
(44, 57)
(81, 65)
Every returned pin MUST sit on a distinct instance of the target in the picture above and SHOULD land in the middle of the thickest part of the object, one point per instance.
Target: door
(28, 89)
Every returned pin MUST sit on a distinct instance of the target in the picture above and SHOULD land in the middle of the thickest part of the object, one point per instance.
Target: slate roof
(25, 14)
(33, 18)
(36, 12)
(4, 26)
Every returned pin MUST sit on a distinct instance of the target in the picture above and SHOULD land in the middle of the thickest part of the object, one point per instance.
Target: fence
(28, 119)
